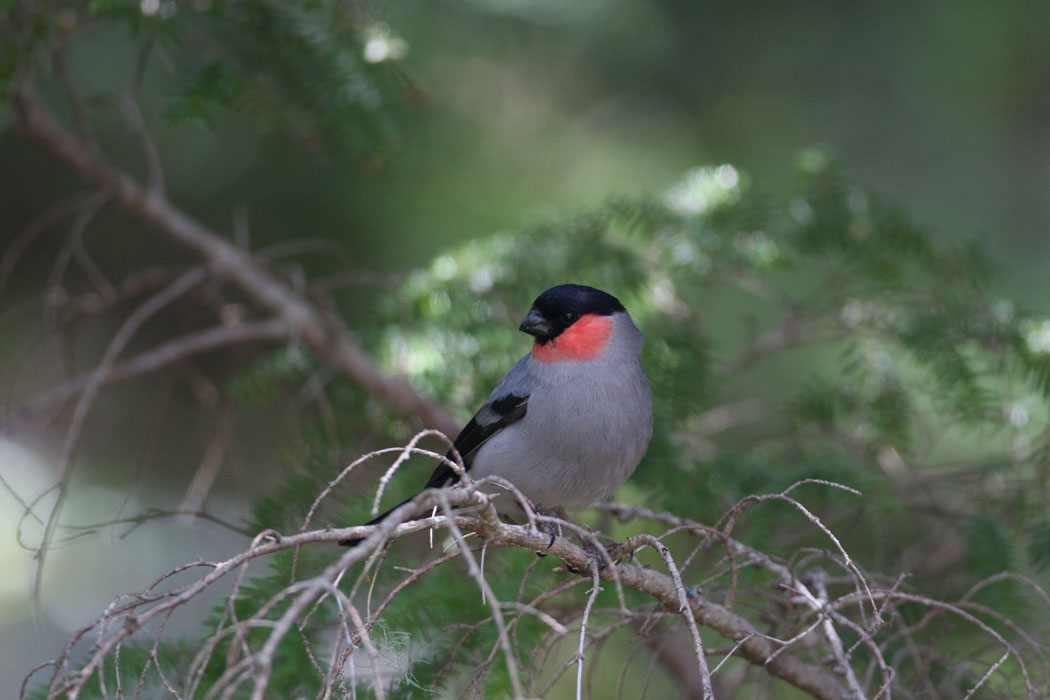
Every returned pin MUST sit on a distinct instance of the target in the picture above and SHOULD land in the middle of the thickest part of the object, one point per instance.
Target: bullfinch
(571, 420)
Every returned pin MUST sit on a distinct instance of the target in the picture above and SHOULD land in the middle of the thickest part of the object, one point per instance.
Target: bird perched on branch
(571, 420)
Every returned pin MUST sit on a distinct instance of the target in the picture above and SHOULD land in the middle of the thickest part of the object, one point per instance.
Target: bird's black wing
(507, 404)
(493, 417)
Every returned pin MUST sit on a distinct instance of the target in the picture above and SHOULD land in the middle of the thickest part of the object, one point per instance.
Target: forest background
(831, 219)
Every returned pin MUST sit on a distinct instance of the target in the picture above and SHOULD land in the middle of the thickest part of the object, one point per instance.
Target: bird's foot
(548, 528)
(617, 552)
(601, 556)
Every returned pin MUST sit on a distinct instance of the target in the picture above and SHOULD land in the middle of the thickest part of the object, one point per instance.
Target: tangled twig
(288, 611)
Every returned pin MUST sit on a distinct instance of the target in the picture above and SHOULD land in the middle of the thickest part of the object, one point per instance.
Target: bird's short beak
(535, 324)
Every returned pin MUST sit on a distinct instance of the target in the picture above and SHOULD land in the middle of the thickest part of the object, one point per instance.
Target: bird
(569, 423)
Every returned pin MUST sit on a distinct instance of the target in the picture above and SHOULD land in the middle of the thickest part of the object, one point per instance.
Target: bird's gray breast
(586, 428)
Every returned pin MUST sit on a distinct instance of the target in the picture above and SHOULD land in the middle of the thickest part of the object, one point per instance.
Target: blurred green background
(510, 106)
(501, 112)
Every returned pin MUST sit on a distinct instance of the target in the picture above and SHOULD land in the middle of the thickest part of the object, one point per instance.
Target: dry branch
(132, 612)
(248, 664)
(801, 621)
(307, 320)
(150, 361)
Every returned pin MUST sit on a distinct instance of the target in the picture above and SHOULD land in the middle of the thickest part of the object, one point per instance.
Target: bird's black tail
(374, 521)
(443, 476)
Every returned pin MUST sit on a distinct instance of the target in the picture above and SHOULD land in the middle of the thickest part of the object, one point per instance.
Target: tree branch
(150, 361)
(771, 652)
(752, 645)
(319, 329)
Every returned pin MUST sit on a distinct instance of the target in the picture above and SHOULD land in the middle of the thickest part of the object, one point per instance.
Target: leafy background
(505, 146)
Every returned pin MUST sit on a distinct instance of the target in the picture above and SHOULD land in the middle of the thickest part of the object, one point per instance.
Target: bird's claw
(617, 551)
(545, 527)
(550, 544)
(601, 556)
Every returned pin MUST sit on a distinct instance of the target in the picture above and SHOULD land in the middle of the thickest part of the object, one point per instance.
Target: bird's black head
(559, 307)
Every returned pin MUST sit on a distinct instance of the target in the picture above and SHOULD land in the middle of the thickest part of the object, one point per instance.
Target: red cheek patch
(580, 342)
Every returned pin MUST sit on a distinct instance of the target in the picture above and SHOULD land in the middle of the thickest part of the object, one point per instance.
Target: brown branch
(34, 228)
(94, 304)
(136, 520)
(129, 108)
(752, 646)
(211, 462)
(319, 329)
(249, 663)
(150, 361)
(77, 104)
(95, 381)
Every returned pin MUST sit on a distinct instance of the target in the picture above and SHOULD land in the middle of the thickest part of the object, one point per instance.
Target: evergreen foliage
(896, 371)
(295, 66)
(906, 359)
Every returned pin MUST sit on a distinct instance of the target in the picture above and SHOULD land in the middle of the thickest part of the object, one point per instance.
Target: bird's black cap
(559, 307)
(578, 298)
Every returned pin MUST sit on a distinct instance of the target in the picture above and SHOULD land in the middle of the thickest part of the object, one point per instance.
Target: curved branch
(150, 361)
(130, 614)
(753, 646)
(320, 329)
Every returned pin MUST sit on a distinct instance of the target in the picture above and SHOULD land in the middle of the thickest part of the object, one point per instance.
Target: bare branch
(318, 328)
(683, 607)
(151, 361)
(129, 107)
(211, 462)
(34, 228)
(595, 590)
(249, 662)
(176, 289)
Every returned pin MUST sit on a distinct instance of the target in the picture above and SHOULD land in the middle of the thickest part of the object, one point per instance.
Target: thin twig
(324, 332)
(173, 291)
(595, 590)
(684, 607)
(150, 361)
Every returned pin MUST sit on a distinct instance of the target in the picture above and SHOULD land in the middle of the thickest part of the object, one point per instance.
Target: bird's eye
(568, 317)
